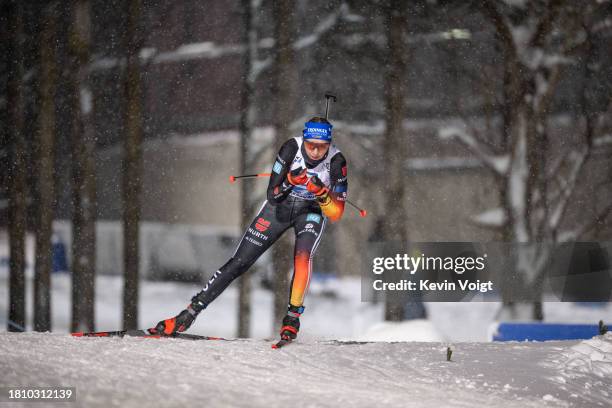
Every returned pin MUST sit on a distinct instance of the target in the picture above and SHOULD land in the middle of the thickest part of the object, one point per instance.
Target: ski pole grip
(331, 96)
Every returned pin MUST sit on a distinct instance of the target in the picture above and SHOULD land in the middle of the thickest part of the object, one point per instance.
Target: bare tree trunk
(17, 169)
(511, 89)
(45, 181)
(247, 117)
(511, 112)
(285, 112)
(132, 166)
(394, 144)
(83, 173)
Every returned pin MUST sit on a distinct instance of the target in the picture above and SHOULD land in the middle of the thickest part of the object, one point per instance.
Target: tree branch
(583, 230)
(569, 188)
(310, 39)
(502, 30)
(545, 25)
(498, 164)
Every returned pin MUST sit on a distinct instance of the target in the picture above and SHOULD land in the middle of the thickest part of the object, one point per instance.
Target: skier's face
(316, 149)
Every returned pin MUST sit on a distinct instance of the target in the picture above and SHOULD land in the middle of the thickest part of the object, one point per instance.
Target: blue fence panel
(544, 331)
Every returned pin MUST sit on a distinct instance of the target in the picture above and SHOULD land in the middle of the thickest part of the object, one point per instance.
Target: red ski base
(144, 334)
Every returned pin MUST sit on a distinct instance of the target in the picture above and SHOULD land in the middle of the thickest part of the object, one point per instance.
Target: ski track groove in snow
(134, 372)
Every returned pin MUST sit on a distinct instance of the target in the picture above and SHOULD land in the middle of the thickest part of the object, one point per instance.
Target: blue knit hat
(318, 131)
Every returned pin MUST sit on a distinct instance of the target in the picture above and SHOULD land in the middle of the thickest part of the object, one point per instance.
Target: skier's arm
(332, 203)
(279, 186)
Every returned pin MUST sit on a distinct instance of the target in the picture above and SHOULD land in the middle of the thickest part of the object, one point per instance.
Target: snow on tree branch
(198, 50)
(442, 163)
(306, 41)
(516, 3)
(323, 27)
(497, 163)
(211, 50)
(492, 218)
(602, 141)
(186, 52)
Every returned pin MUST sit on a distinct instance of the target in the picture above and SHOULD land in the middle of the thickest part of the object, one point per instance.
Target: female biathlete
(308, 186)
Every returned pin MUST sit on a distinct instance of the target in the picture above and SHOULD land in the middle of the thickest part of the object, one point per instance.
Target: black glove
(176, 324)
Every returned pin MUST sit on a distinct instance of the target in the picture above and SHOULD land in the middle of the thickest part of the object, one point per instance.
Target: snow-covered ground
(136, 372)
(342, 316)
(315, 371)
(333, 307)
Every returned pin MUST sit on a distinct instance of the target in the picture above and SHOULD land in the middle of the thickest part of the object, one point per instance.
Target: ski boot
(181, 322)
(291, 325)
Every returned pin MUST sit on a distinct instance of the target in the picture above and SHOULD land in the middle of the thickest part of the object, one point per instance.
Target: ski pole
(232, 179)
(329, 96)
(362, 212)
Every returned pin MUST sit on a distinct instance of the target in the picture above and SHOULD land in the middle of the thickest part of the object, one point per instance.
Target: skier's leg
(265, 229)
(308, 231)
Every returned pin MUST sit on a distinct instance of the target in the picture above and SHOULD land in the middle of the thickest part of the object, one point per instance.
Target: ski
(145, 334)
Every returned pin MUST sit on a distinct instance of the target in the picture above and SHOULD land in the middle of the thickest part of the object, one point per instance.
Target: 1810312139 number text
(38, 393)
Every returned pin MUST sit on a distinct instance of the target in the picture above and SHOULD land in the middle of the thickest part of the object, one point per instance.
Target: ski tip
(232, 179)
(77, 334)
(363, 213)
(281, 343)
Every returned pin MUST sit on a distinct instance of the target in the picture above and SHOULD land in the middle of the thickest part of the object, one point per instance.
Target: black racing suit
(283, 209)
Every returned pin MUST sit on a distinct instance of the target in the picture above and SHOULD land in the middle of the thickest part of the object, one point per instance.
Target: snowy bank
(135, 372)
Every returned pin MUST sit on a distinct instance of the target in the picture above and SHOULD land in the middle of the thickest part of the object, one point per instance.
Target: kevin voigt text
(428, 285)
